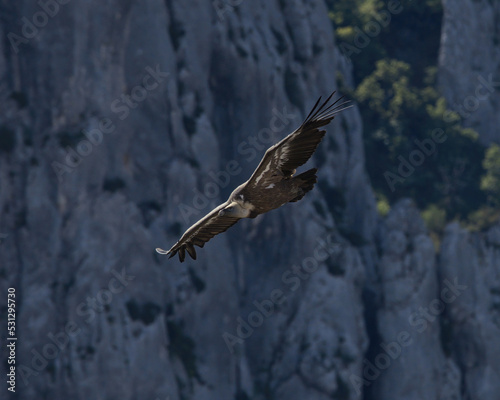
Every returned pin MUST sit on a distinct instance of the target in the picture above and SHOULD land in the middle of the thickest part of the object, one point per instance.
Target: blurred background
(124, 122)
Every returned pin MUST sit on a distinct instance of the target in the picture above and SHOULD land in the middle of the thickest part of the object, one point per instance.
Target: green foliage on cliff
(414, 145)
(490, 182)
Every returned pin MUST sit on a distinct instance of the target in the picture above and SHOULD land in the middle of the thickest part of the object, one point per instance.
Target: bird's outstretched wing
(201, 232)
(281, 160)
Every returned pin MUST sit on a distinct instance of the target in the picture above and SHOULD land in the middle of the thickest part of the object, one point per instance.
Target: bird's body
(272, 185)
(275, 194)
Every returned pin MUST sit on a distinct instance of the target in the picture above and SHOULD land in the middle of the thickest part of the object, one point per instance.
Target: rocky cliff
(469, 64)
(122, 123)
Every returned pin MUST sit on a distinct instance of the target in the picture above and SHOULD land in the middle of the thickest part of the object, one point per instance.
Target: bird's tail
(306, 181)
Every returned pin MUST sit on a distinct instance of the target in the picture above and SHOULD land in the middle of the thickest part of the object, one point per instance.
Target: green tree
(395, 70)
(490, 182)
(398, 118)
(410, 35)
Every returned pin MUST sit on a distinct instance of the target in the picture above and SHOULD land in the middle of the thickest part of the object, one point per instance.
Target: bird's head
(233, 210)
(229, 211)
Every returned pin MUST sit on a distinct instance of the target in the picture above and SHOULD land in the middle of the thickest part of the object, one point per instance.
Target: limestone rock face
(408, 353)
(436, 328)
(127, 122)
(472, 323)
(469, 64)
(123, 123)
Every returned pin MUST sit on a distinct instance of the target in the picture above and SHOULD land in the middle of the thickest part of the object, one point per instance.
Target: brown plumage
(271, 185)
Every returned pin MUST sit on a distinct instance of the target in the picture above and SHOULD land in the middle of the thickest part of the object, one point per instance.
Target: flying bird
(272, 184)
